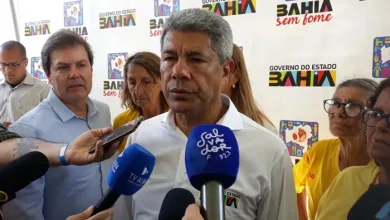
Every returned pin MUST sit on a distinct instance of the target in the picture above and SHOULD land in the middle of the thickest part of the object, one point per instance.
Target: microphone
(212, 160)
(373, 204)
(20, 173)
(175, 204)
(128, 174)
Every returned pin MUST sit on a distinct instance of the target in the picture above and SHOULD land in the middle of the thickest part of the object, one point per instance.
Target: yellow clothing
(123, 118)
(345, 190)
(316, 171)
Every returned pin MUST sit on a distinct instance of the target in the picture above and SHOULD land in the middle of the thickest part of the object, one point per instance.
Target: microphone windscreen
(175, 204)
(212, 154)
(20, 173)
(373, 204)
(131, 169)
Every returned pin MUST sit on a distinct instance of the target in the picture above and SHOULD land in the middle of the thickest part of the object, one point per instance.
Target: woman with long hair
(141, 95)
(239, 90)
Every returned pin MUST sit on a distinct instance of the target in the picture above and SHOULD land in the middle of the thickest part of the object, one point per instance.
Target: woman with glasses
(326, 158)
(352, 182)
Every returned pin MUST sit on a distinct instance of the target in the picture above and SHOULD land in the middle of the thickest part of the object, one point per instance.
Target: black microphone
(373, 204)
(175, 204)
(20, 173)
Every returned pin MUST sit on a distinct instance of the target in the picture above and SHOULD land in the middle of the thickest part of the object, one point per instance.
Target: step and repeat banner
(296, 51)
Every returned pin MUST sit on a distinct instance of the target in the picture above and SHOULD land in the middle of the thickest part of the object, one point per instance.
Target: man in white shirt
(19, 91)
(196, 50)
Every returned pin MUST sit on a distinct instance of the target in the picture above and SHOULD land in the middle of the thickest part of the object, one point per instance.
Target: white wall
(346, 41)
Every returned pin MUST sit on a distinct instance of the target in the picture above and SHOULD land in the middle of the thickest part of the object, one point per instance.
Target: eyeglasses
(371, 118)
(10, 65)
(351, 109)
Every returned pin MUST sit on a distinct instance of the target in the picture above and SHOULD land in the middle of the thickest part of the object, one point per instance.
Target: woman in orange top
(141, 93)
(239, 90)
(326, 158)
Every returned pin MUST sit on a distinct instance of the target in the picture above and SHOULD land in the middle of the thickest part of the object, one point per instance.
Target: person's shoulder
(39, 83)
(262, 136)
(101, 106)
(124, 117)
(323, 146)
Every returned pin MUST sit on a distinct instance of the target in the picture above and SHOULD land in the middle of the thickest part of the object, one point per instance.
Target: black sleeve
(5, 134)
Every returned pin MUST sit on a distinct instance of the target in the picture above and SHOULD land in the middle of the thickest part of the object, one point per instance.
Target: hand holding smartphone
(119, 134)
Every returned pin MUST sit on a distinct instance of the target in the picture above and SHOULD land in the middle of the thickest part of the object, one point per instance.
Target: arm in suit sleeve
(280, 202)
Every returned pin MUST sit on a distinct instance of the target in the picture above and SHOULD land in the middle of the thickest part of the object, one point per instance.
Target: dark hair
(364, 83)
(384, 84)
(151, 63)
(60, 40)
(14, 45)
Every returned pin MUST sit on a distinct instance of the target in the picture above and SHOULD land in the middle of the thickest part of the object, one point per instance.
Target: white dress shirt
(17, 101)
(264, 189)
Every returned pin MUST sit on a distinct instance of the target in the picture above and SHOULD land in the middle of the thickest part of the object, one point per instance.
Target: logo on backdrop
(37, 69)
(231, 199)
(230, 7)
(299, 136)
(303, 12)
(116, 19)
(74, 18)
(162, 8)
(116, 62)
(381, 57)
(37, 28)
(314, 75)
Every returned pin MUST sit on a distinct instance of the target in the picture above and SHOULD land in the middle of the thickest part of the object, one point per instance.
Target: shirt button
(19, 105)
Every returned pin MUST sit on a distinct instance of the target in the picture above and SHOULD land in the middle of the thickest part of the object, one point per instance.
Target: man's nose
(181, 70)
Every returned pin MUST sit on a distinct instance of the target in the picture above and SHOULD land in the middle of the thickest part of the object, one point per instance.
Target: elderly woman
(142, 93)
(326, 158)
(350, 184)
(239, 90)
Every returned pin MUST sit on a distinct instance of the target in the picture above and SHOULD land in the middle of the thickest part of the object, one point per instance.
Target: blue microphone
(129, 173)
(212, 161)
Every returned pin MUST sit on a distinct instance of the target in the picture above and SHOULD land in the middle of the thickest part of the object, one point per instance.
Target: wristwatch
(62, 156)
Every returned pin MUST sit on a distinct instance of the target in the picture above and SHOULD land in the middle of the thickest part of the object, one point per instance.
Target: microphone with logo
(128, 174)
(373, 204)
(20, 173)
(212, 161)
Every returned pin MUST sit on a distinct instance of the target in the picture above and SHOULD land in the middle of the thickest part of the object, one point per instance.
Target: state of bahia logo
(74, 18)
(116, 19)
(37, 28)
(230, 7)
(162, 9)
(37, 69)
(381, 57)
(315, 75)
(304, 13)
(113, 86)
(231, 199)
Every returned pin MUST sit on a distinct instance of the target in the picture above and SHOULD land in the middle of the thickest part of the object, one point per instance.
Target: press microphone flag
(20, 173)
(129, 173)
(212, 161)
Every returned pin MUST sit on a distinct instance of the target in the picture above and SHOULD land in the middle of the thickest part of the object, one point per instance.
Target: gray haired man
(196, 51)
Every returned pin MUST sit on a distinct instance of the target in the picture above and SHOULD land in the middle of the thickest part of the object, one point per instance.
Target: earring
(234, 86)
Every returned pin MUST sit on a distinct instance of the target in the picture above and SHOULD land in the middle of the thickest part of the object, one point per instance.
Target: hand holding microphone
(128, 174)
(86, 215)
(193, 213)
(212, 161)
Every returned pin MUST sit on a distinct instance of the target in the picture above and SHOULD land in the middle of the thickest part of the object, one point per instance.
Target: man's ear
(228, 67)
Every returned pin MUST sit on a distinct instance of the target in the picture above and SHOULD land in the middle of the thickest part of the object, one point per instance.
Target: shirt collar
(28, 80)
(64, 112)
(231, 119)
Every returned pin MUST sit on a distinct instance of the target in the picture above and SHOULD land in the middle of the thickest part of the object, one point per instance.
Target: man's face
(191, 71)
(13, 65)
(71, 74)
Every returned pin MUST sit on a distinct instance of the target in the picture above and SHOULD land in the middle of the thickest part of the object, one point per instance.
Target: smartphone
(119, 134)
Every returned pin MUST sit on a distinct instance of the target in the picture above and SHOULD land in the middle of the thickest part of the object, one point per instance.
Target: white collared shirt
(264, 189)
(17, 101)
